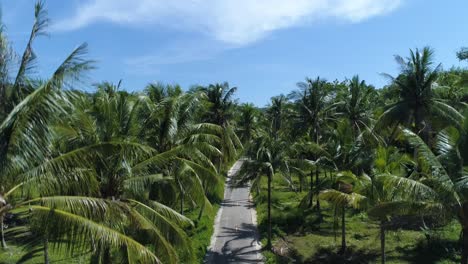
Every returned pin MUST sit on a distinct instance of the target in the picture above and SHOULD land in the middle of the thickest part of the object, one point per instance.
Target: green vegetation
(302, 238)
(341, 172)
(357, 174)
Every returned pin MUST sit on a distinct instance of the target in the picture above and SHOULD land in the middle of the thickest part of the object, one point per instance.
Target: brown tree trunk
(269, 213)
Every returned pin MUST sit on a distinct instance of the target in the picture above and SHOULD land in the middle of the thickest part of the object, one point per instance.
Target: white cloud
(236, 22)
(176, 53)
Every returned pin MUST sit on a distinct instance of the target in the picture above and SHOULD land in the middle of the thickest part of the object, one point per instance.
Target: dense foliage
(113, 174)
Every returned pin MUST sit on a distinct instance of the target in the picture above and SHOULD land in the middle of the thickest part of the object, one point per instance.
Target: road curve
(235, 238)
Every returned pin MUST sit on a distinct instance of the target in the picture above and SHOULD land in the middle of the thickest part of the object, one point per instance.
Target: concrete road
(235, 238)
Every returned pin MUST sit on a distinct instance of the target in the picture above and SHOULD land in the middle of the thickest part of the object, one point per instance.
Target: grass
(200, 235)
(300, 237)
(17, 254)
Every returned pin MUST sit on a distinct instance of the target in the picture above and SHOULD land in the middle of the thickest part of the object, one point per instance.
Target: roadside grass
(299, 236)
(19, 254)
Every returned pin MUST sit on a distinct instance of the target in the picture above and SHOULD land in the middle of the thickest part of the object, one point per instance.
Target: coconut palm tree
(354, 104)
(343, 195)
(315, 110)
(266, 157)
(219, 106)
(392, 191)
(417, 106)
(247, 122)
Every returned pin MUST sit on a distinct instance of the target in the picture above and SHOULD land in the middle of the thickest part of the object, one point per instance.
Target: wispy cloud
(236, 22)
(176, 53)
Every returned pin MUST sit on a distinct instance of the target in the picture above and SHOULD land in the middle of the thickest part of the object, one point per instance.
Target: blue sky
(263, 47)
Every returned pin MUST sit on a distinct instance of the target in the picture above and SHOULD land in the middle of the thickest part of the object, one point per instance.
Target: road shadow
(230, 253)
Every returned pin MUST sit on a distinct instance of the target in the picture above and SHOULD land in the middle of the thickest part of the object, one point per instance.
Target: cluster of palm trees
(109, 173)
(392, 152)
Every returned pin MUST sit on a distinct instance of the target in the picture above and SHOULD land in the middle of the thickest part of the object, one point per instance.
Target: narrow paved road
(235, 238)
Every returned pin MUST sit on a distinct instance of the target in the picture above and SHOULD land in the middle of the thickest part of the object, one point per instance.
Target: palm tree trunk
(106, 258)
(2, 232)
(464, 257)
(311, 189)
(181, 203)
(46, 250)
(269, 212)
(300, 184)
(343, 231)
(317, 188)
(203, 205)
(382, 241)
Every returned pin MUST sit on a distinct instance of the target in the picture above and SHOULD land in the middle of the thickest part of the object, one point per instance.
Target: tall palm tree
(276, 112)
(392, 191)
(247, 124)
(219, 111)
(315, 110)
(266, 157)
(344, 195)
(354, 104)
(417, 106)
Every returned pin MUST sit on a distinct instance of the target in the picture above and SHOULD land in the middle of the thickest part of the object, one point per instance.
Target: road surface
(235, 237)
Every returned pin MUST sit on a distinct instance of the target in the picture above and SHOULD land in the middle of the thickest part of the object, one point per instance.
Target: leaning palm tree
(29, 107)
(417, 106)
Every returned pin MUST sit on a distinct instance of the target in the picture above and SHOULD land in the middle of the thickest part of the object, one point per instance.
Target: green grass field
(300, 238)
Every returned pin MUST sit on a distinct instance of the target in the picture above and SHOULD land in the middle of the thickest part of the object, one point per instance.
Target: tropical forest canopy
(126, 176)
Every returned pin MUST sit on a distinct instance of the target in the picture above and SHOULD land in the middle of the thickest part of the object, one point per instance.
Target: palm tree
(392, 191)
(247, 122)
(27, 111)
(354, 104)
(276, 112)
(315, 110)
(127, 169)
(417, 106)
(266, 157)
(343, 196)
(219, 111)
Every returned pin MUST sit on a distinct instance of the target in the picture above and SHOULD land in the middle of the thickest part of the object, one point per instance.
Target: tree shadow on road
(235, 250)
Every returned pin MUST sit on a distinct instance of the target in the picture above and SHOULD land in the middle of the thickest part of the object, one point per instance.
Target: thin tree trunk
(464, 257)
(382, 241)
(200, 214)
(317, 188)
(269, 212)
(181, 203)
(300, 184)
(311, 189)
(46, 250)
(203, 206)
(106, 258)
(343, 231)
(4, 245)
